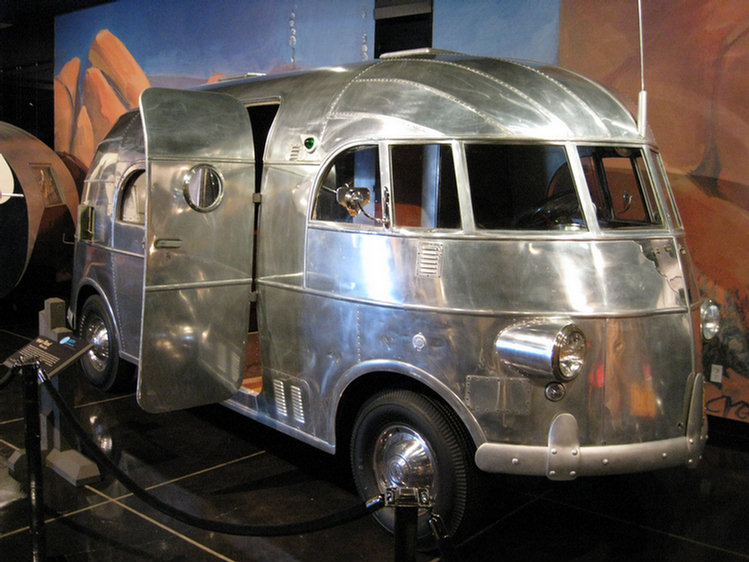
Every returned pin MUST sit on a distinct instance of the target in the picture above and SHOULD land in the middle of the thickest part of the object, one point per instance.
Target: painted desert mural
(696, 56)
(112, 84)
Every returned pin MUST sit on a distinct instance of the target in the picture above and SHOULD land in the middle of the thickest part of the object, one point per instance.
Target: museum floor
(219, 465)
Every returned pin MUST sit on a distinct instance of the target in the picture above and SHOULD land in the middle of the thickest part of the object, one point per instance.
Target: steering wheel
(558, 210)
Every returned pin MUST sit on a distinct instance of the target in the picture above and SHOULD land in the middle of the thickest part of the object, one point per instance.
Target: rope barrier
(6, 375)
(326, 522)
(45, 353)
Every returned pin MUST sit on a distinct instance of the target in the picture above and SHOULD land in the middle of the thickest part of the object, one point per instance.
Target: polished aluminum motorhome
(445, 263)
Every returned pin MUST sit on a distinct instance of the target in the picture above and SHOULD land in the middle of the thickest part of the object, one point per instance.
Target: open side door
(198, 262)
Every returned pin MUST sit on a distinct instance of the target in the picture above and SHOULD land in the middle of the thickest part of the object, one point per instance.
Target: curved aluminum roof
(435, 96)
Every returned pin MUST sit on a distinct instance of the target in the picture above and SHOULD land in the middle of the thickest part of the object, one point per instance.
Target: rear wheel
(102, 364)
(405, 439)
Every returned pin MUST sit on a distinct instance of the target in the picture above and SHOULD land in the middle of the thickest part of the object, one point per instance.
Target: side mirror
(353, 198)
(626, 201)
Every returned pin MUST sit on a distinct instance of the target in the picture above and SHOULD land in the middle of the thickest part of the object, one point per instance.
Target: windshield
(522, 187)
(620, 187)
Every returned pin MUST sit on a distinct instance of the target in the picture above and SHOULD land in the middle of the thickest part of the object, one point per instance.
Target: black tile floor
(219, 465)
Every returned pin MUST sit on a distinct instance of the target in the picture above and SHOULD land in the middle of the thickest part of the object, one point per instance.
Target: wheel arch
(358, 387)
(83, 293)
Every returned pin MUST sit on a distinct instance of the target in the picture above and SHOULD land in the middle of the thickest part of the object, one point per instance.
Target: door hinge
(257, 198)
(253, 296)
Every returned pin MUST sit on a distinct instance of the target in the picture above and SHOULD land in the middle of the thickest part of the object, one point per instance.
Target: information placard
(53, 356)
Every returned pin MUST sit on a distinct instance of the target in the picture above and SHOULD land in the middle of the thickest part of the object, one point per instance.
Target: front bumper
(563, 458)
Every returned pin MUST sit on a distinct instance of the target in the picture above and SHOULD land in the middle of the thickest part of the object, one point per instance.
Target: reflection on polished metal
(551, 349)
(565, 279)
(402, 458)
(203, 188)
(98, 336)
(198, 265)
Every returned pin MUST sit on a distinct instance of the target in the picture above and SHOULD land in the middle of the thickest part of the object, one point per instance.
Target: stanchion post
(56, 348)
(407, 503)
(444, 541)
(35, 361)
(33, 443)
(406, 519)
(60, 456)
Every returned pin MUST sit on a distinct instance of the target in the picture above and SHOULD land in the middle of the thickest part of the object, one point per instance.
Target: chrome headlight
(569, 349)
(709, 319)
(549, 349)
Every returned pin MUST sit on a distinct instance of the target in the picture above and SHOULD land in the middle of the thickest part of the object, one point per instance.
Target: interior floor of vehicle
(252, 380)
(219, 465)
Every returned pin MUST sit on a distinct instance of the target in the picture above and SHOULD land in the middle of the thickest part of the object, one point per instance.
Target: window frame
(387, 181)
(129, 237)
(388, 225)
(658, 171)
(129, 179)
(652, 201)
(569, 150)
(321, 176)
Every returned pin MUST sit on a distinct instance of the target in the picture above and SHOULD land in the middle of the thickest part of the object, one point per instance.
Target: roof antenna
(642, 98)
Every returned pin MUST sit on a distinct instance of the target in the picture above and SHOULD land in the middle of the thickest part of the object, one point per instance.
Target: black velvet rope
(325, 522)
(6, 374)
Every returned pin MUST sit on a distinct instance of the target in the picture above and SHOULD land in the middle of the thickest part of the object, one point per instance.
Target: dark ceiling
(27, 29)
(12, 11)
(27, 50)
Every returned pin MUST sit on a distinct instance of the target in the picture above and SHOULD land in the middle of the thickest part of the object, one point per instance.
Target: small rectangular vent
(297, 404)
(294, 153)
(429, 260)
(280, 396)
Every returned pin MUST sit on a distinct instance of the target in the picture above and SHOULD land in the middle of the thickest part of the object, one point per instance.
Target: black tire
(385, 425)
(102, 365)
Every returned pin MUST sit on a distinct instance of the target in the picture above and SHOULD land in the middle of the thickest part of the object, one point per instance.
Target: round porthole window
(203, 188)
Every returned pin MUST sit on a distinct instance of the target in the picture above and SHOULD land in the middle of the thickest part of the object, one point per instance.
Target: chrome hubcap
(98, 336)
(403, 458)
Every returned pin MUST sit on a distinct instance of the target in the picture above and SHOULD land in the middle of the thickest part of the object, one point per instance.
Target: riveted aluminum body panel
(111, 263)
(198, 268)
(567, 459)
(547, 276)
(433, 97)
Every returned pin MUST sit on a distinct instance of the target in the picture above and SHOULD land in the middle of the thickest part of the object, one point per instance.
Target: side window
(356, 167)
(620, 187)
(425, 192)
(133, 199)
(522, 187)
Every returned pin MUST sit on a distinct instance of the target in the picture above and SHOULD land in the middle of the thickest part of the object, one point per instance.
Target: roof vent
(241, 75)
(424, 51)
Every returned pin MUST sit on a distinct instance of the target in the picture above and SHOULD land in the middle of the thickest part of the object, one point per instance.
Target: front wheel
(101, 364)
(405, 439)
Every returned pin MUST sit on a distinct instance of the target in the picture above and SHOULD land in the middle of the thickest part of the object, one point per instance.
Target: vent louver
(429, 260)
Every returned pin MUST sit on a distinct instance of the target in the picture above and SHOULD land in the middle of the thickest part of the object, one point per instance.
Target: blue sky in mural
(522, 29)
(197, 38)
(194, 38)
